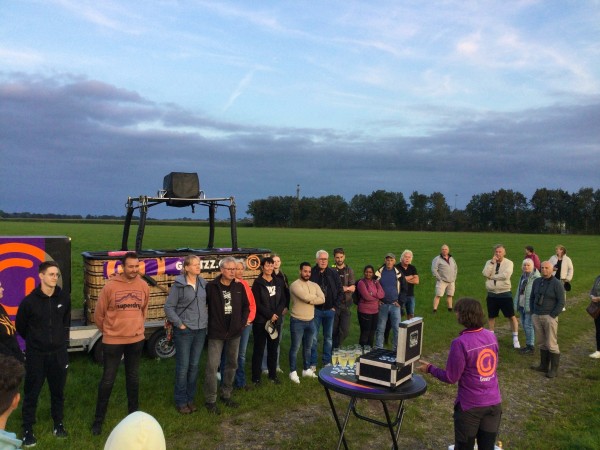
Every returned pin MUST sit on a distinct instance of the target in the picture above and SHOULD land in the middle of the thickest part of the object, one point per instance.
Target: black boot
(544, 361)
(554, 360)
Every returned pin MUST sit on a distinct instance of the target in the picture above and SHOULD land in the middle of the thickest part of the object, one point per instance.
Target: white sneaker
(278, 370)
(595, 355)
(309, 373)
(516, 343)
(218, 376)
(294, 377)
(265, 372)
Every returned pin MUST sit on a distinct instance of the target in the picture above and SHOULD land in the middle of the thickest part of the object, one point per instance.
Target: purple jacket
(472, 362)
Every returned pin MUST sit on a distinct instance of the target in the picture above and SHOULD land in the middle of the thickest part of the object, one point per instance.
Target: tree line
(547, 211)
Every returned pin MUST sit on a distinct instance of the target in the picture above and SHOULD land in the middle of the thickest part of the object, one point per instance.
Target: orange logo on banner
(253, 262)
(486, 362)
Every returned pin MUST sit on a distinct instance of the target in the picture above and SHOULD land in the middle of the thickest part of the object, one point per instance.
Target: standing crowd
(226, 310)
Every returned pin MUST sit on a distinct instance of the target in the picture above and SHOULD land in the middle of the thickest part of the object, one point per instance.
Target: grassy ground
(538, 413)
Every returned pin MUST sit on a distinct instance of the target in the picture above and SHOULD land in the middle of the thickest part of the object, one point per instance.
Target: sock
(515, 335)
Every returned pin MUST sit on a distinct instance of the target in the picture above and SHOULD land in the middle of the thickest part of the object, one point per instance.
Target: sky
(100, 100)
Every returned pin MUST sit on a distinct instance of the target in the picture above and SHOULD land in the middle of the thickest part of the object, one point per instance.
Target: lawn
(538, 413)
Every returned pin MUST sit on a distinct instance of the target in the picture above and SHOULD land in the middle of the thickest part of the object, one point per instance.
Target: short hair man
(43, 320)
(341, 322)
(304, 295)
(120, 315)
(497, 272)
(530, 254)
(444, 270)
(11, 375)
(546, 302)
(412, 278)
(394, 285)
(228, 311)
(330, 284)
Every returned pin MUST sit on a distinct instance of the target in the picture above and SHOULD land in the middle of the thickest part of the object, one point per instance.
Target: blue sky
(100, 100)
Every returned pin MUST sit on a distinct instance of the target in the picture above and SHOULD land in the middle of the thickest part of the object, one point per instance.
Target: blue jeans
(409, 304)
(302, 333)
(240, 373)
(385, 311)
(188, 349)
(527, 325)
(325, 318)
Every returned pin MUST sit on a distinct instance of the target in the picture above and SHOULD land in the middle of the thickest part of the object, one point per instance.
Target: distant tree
(418, 214)
(358, 211)
(550, 210)
(438, 212)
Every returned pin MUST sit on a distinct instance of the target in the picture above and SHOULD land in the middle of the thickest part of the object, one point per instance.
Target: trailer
(20, 256)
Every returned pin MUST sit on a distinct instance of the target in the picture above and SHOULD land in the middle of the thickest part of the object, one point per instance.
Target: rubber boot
(554, 360)
(544, 361)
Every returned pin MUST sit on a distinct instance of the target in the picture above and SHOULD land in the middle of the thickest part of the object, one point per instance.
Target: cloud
(73, 145)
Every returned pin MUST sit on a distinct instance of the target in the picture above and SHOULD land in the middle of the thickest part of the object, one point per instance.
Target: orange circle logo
(486, 362)
(253, 262)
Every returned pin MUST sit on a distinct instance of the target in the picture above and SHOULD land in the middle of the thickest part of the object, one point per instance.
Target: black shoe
(59, 431)
(212, 408)
(29, 439)
(275, 380)
(528, 350)
(435, 311)
(97, 428)
(229, 403)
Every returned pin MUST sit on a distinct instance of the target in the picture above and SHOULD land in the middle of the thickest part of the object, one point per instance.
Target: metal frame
(143, 203)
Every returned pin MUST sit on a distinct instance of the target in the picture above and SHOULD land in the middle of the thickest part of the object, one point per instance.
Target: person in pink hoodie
(120, 315)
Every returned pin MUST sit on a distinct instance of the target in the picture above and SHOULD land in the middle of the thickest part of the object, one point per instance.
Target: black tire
(98, 352)
(159, 347)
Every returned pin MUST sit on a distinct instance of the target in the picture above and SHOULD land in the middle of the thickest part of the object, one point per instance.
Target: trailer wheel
(158, 346)
(98, 352)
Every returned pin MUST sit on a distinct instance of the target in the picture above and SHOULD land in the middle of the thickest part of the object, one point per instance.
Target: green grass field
(538, 413)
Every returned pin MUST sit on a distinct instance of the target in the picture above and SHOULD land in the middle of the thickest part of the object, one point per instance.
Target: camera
(540, 300)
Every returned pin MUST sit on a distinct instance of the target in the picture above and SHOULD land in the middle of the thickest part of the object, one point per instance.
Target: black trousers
(112, 354)
(368, 326)
(261, 337)
(341, 326)
(476, 424)
(40, 367)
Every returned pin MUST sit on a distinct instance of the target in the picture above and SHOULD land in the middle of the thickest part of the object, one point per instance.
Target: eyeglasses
(54, 275)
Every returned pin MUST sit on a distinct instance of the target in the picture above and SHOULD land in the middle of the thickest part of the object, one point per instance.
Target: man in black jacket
(228, 310)
(330, 283)
(43, 320)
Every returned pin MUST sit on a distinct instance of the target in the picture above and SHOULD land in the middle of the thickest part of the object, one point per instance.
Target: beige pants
(546, 332)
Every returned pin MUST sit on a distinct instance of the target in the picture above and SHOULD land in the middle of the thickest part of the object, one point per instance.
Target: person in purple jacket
(472, 362)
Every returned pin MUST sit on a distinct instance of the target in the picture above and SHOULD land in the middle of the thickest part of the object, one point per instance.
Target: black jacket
(267, 304)
(217, 323)
(44, 321)
(331, 285)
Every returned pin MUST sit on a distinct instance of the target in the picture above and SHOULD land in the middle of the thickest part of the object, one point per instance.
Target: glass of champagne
(351, 358)
(335, 357)
(343, 358)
